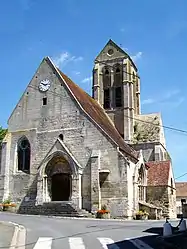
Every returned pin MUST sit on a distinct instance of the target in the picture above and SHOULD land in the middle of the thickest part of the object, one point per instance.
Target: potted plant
(103, 213)
(141, 215)
(7, 205)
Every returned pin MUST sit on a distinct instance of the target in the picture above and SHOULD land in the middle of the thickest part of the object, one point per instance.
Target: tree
(2, 133)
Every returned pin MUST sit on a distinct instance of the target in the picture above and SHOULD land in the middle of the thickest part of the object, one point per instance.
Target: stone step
(67, 209)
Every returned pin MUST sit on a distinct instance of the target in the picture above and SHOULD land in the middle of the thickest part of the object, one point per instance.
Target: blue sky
(73, 32)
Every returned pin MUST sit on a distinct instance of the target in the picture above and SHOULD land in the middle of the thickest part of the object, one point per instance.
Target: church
(67, 152)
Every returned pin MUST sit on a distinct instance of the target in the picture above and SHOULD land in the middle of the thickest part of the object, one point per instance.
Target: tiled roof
(97, 113)
(181, 189)
(158, 173)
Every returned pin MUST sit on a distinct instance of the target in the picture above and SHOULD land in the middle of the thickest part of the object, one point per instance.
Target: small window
(117, 70)
(133, 76)
(103, 179)
(106, 72)
(110, 51)
(45, 101)
(118, 96)
(61, 137)
(172, 186)
(106, 98)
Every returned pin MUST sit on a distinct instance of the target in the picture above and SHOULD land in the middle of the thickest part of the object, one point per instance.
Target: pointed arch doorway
(61, 187)
(59, 179)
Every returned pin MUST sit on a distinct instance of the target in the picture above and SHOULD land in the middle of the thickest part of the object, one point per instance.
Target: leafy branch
(2, 133)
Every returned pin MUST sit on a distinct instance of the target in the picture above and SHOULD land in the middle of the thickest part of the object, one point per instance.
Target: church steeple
(116, 87)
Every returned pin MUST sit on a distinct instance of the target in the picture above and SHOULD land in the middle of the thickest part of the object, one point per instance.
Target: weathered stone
(65, 140)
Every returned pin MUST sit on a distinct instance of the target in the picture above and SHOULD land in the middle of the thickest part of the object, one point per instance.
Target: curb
(13, 243)
(91, 219)
(19, 235)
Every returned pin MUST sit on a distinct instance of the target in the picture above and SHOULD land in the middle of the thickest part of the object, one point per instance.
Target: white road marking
(76, 243)
(140, 244)
(43, 243)
(107, 241)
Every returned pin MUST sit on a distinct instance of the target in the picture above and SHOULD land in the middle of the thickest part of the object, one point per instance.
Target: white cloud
(61, 59)
(148, 101)
(171, 93)
(76, 72)
(166, 99)
(87, 79)
(74, 58)
(137, 56)
(64, 58)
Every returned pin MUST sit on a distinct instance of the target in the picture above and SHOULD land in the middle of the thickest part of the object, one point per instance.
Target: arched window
(133, 76)
(106, 87)
(118, 75)
(106, 78)
(106, 72)
(118, 70)
(172, 186)
(118, 86)
(24, 154)
(141, 184)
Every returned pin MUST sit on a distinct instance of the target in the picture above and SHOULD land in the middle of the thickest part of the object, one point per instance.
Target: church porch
(59, 181)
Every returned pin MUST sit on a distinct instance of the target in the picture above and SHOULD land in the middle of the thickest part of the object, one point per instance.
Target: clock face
(44, 85)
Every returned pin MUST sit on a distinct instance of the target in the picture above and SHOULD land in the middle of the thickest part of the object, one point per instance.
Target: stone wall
(148, 128)
(161, 196)
(114, 185)
(152, 151)
(1, 188)
(43, 124)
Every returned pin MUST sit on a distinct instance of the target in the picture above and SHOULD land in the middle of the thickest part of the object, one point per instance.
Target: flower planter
(138, 217)
(8, 207)
(103, 215)
(141, 217)
(106, 216)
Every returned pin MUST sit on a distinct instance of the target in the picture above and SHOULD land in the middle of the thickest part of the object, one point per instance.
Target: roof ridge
(162, 161)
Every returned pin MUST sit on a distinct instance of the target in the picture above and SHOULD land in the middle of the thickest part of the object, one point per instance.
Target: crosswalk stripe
(43, 243)
(76, 243)
(140, 244)
(107, 241)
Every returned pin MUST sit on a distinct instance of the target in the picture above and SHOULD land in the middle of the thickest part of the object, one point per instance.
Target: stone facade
(81, 150)
(61, 130)
(152, 151)
(161, 196)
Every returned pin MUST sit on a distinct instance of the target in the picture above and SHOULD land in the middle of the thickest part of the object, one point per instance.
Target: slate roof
(97, 113)
(158, 173)
(181, 189)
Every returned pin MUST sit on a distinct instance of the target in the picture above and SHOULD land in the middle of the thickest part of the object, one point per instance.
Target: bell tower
(116, 87)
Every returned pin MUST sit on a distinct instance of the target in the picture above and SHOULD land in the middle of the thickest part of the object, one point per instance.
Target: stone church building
(66, 151)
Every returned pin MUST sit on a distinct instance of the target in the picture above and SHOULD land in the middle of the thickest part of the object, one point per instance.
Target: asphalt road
(56, 233)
